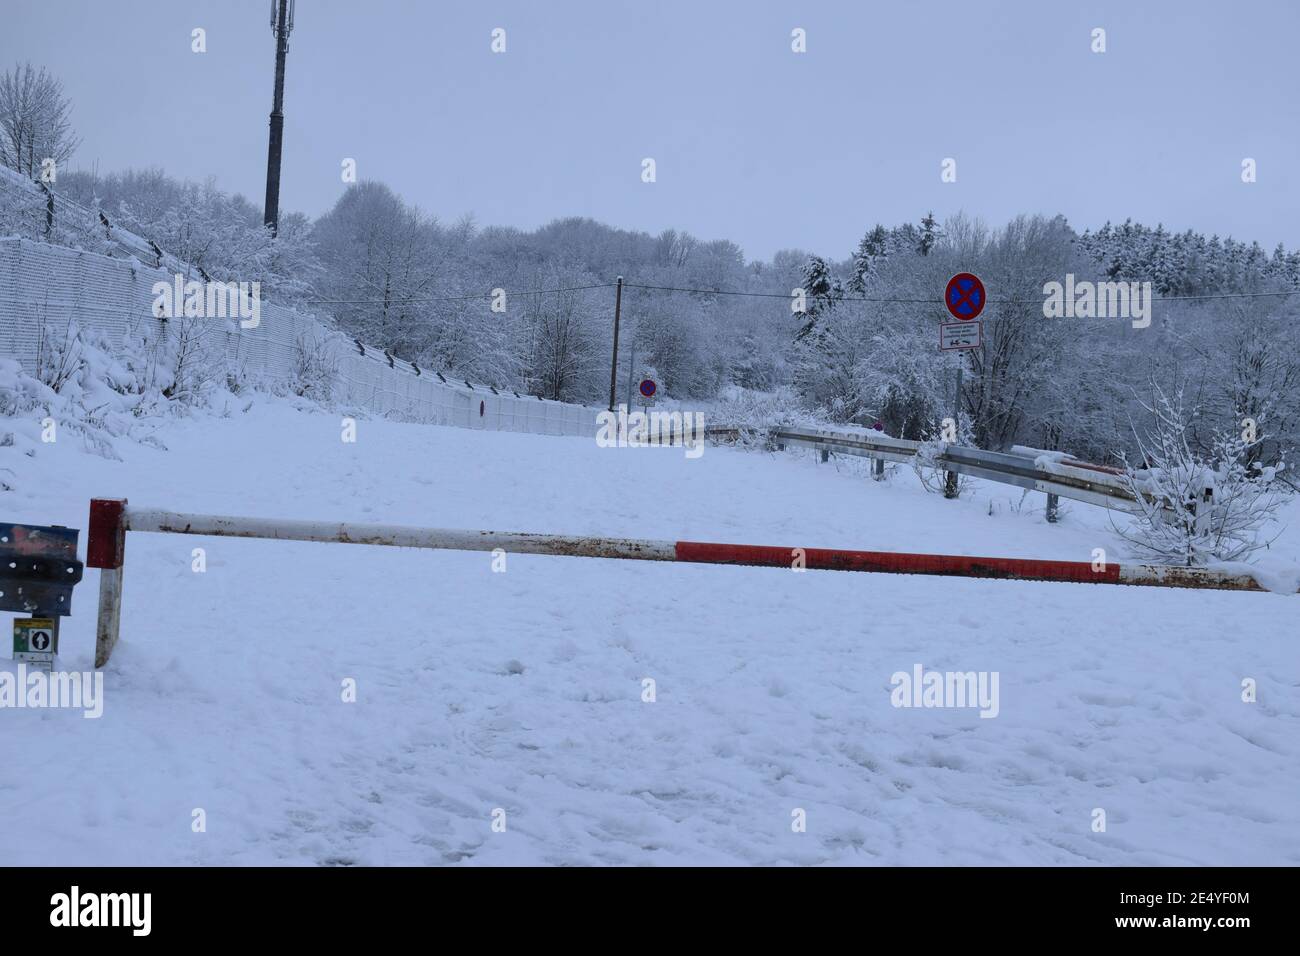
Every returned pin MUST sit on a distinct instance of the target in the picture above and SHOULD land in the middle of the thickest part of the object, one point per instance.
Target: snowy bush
(196, 359)
(88, 387)
(138, 368)
(756, 413)
(1197, 507)
(316, 367)
(929, 471)
(12, 399)
(58, 352)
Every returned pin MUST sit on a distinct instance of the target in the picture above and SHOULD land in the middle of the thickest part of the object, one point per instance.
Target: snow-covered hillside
(523, 690)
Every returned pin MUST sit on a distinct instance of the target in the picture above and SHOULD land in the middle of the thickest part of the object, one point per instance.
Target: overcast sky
(752, 142)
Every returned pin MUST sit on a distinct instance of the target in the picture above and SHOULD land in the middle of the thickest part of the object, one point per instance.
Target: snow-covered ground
(523, 690)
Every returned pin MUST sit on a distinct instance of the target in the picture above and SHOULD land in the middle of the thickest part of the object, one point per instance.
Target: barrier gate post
(105, 549)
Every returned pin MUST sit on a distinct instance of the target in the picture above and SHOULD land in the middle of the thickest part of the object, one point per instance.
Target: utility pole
(613, 370)
(631, 370)
(281, 26)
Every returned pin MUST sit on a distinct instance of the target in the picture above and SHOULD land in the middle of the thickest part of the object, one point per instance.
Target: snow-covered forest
(863, 351)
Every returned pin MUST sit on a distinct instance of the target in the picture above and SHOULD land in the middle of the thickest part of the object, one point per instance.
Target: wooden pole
(613, 368)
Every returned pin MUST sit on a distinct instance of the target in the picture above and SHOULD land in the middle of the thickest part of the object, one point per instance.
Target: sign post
(964, 297)
(950, 479)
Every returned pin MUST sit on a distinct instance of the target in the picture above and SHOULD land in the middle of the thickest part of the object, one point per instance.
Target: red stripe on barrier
(889, 562)
(106, 539)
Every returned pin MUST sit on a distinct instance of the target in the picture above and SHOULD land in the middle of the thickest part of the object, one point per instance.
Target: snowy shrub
(195, 359)
(11, 401)
(929, 471)
(58, 352)
(756, 413)
(137, 368)
(99, 400)
(316, 367)
(1196, 507)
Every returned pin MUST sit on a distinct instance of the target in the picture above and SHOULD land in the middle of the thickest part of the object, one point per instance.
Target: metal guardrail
(1066, 478)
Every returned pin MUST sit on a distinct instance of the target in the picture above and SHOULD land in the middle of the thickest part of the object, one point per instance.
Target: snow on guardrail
(1053, 473)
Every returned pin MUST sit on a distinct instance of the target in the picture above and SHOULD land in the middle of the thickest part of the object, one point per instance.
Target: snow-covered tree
(929, 234)
(1197, 507)
(564, 342)
(35, 122)
(874, 246)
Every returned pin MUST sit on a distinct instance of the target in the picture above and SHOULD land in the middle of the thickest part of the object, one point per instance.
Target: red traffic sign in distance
(964, 296)
(648, 387)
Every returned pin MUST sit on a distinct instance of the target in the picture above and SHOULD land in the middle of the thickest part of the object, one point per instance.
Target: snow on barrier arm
(400, 536)
(110, 519)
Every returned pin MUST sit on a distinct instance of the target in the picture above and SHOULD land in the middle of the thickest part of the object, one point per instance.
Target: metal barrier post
(105, 549)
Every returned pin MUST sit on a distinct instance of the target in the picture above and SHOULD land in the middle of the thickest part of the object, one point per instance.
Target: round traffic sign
(40, 640)
(964, 296)
(648, 387)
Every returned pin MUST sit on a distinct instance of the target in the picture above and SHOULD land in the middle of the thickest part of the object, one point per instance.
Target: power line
(938, 302)
(453, 298)
(783, 295)
(882, 300)
(1224, 295)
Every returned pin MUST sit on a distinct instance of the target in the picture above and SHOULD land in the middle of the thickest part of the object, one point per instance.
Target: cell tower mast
(281, 26)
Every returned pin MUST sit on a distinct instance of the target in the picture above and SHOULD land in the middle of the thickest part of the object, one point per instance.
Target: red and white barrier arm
(965, 566)
(111, 519)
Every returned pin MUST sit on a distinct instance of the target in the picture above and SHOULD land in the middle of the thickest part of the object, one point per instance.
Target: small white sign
(960, 335)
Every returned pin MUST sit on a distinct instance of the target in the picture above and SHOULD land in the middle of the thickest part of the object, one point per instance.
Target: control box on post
(38, 569)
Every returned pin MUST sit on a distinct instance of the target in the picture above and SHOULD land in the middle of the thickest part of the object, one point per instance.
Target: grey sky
(752, 142)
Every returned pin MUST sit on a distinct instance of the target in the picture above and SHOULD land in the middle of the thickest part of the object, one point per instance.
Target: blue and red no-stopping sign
(964, 296)
(648, 387)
